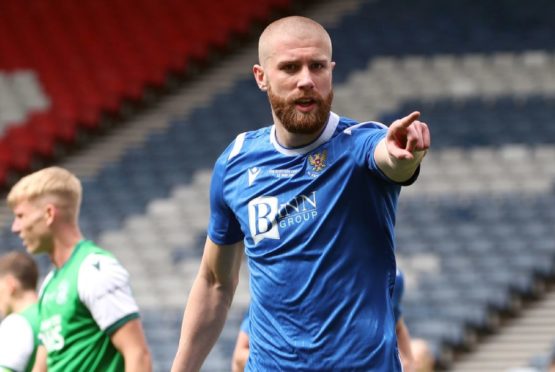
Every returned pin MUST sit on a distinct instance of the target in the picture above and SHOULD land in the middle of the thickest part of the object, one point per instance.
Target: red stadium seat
(14, 157)
(48, 126)
(23, 138)
(92, 56)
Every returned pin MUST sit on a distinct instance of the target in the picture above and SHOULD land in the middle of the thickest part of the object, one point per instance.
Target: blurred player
(89, 319)
(423, 357)
(552, 360)
(18, 304)
(311, 200)
(241, 351)
(416, 355)
(401, 329)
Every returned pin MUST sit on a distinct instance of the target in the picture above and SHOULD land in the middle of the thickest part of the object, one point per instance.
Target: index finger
(409, 119)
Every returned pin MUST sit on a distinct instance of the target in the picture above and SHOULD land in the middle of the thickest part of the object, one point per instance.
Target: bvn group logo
(267, 216)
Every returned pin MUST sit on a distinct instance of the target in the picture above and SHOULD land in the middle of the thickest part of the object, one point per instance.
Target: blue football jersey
(317, 223)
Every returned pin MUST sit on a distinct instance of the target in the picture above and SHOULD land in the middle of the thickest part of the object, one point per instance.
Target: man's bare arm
(208, 304)
(131, 343)
(40, 359)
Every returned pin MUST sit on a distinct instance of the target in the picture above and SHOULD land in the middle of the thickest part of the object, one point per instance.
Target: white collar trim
(326, 134)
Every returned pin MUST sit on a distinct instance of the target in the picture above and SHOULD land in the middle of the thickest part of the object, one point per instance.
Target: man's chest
(272, 198)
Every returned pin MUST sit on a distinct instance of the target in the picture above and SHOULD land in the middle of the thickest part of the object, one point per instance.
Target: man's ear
(11, 283)
(50, 212)
(258, 72)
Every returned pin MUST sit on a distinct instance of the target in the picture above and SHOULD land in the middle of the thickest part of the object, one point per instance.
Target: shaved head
(291, 28)
(295, 70)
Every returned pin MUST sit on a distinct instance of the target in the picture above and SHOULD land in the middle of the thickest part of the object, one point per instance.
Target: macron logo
(253, 173)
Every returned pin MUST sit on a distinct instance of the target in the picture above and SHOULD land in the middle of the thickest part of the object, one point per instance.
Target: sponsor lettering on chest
(267, 216)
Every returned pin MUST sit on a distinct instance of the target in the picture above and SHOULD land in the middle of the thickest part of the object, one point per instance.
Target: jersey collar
(326, 134)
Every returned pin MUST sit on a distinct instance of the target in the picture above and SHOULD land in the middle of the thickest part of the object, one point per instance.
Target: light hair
(57, 182)
(22, 266)
(292, 25)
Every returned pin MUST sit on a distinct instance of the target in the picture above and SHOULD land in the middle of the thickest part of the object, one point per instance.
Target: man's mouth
(305, 103)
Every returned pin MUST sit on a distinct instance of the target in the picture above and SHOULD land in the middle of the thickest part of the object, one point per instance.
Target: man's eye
(289, 67)
(317, 66)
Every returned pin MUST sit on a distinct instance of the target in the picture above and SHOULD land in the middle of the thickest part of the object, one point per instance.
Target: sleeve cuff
(117, 325)
(412, 178)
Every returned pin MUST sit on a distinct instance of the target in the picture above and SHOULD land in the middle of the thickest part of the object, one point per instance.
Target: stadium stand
(475, 234)
(92, 58)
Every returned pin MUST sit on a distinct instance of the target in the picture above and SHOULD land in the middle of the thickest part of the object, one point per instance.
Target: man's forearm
(203, 321)
(139, 361)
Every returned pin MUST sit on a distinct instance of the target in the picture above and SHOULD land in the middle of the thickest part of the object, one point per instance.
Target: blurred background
(138, 98)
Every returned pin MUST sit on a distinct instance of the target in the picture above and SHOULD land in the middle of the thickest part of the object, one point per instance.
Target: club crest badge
(61, 295)
(318, 160)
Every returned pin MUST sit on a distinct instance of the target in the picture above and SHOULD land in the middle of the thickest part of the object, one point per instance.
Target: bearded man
(311, 202)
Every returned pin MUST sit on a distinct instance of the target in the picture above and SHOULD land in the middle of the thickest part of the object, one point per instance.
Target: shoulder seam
(83, 267)
(356, 126)
(237, 146)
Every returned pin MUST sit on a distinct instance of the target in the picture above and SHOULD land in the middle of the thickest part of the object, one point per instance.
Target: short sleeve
(367, 136)
(223, 227)
(365, 140)
(17, 343)
(103, 286)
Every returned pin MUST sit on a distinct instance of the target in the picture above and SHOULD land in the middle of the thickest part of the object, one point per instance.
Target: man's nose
(306, 80)
(15, 227)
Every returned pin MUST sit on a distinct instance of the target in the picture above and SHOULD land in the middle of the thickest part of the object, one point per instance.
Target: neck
(64, 244)
(292, 140)
(27, 299)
